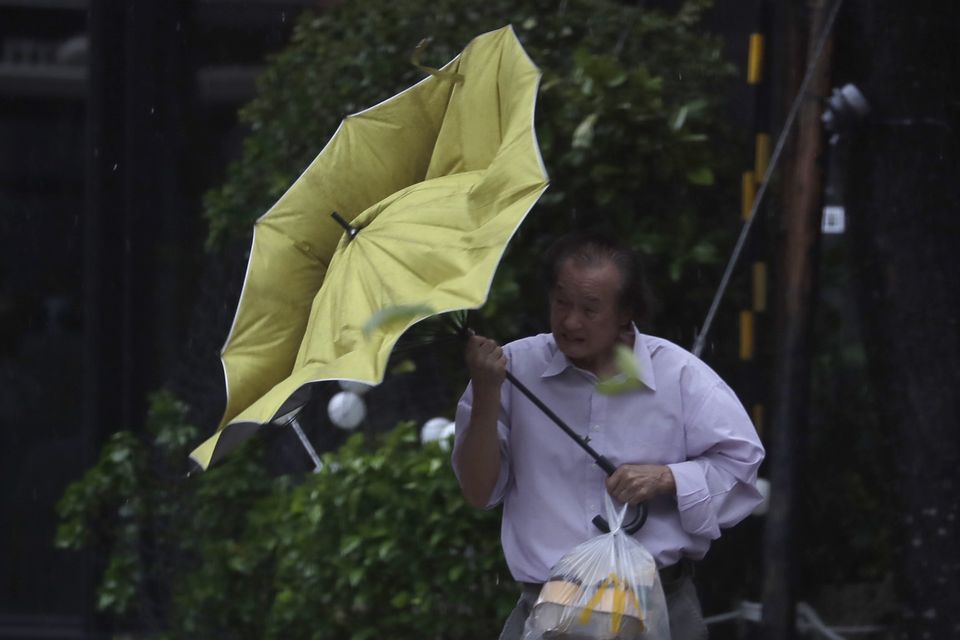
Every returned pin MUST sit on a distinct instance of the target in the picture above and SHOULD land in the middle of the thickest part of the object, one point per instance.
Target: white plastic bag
(607, 588)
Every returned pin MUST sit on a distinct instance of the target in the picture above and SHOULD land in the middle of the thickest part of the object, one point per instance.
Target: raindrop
(115, 165)
(283, 16)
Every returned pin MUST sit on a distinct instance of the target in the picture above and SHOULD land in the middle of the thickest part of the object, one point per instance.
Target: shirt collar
(641, 351)
(558, 362)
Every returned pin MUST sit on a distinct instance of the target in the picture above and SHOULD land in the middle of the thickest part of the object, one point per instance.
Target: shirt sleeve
(464, 408)
(716, 485)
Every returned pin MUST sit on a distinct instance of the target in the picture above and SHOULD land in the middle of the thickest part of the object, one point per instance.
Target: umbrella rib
(294, 243)
(374, 294)
(414, 241)
(387, 252)
(457, 230)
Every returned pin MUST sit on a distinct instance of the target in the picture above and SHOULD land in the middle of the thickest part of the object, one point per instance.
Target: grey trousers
(683, 609)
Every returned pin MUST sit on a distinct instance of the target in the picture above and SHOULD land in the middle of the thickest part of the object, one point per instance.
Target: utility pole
(798, 284)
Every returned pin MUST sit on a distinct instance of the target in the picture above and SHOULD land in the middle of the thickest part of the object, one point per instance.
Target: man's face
(585, 316)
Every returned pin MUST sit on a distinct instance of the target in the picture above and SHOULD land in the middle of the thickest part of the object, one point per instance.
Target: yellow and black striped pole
(753, 314)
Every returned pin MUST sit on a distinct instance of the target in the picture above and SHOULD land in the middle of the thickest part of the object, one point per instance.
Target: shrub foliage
(378, 543)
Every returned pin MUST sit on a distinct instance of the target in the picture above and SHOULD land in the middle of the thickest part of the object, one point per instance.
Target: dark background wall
(114, 118)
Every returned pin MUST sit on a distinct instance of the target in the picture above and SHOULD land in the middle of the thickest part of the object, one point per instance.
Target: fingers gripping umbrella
(432, 184)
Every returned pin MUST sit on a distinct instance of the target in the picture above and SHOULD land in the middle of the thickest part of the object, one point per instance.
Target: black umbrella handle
(638, 521)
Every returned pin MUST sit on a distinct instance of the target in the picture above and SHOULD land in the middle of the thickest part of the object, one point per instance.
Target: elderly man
(682, 443)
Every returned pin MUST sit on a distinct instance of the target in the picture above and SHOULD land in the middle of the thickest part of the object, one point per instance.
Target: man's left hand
(636, 483)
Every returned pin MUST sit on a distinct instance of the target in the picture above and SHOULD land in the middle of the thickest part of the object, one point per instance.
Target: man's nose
(572, 320)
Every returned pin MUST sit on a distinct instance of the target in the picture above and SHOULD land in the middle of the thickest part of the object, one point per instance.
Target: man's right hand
(486, 362)
(480, 462)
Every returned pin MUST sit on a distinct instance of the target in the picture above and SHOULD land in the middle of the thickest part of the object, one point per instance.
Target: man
(682, 443)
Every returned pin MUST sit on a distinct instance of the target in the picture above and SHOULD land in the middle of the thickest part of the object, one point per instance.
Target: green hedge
(379, 543)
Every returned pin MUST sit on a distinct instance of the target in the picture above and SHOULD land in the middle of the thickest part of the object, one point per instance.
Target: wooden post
(797, 286)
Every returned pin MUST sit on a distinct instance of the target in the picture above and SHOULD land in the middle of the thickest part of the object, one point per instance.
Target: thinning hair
(595, 249)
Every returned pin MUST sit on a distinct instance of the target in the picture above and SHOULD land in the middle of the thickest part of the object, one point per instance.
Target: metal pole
(317, 463)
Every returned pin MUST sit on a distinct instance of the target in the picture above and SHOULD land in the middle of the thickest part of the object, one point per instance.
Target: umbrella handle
(631, 528)
(638, 520)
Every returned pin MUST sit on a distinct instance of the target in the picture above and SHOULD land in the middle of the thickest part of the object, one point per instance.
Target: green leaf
(350, 545)
(355, 576)
(702, 177)
(679, 119)
(404, 366)
(627, 362)
(617, 385)
(583, 135)
(628, 378)
(617, 80)
(390, 318)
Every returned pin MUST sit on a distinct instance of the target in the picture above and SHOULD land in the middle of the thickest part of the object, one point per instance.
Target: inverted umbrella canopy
(436, 179)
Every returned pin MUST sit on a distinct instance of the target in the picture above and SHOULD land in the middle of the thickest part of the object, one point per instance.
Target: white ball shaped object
(763, 486)
(432, 429)
(353, 386)
(447, 435)
(346, 410)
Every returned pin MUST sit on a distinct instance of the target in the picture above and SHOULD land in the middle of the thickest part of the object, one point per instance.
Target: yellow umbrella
(434, 182)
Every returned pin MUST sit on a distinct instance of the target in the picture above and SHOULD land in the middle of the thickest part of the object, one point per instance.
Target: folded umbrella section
(434, 182)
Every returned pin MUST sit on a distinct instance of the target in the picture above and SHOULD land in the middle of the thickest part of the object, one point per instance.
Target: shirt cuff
(693, 500)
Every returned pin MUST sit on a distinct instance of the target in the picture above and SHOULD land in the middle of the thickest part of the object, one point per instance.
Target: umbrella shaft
(601, 461)
(317, 464)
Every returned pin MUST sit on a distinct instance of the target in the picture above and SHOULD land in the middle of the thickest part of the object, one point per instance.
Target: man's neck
(603, 367)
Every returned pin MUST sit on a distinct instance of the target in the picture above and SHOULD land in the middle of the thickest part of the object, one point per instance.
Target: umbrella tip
(351, 230)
